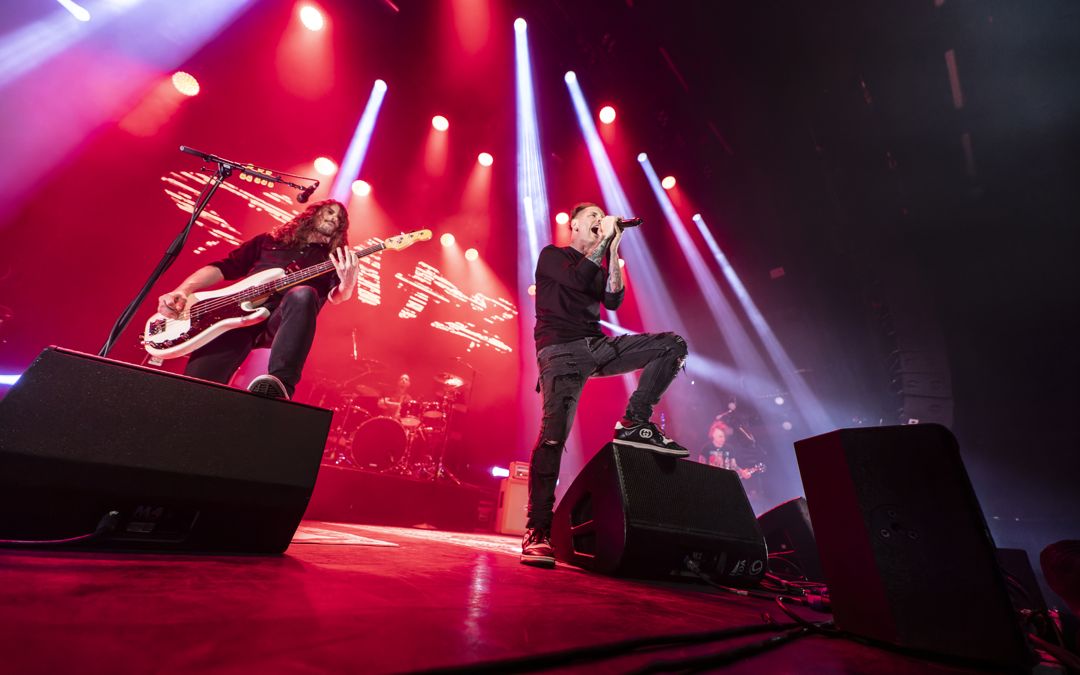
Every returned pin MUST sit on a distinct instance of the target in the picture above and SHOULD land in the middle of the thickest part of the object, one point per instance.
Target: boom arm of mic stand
(240, 168)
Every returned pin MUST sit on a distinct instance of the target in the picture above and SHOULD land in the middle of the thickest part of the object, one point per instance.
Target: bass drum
(378, 443)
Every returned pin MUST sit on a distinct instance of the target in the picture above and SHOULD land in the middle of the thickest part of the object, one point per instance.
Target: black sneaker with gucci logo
(646, 435)
(536, 548)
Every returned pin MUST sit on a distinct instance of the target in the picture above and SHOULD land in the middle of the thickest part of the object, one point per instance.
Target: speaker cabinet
(789, 537)
(633, 512)
(188, 465)
(904, 544)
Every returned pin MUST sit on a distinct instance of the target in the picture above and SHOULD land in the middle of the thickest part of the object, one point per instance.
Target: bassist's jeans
(289, 331)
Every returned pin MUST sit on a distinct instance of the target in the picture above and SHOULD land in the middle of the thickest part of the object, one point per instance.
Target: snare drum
(378, 443)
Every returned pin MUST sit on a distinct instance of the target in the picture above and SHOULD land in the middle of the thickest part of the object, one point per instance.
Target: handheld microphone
(629, 222)
(306, 193)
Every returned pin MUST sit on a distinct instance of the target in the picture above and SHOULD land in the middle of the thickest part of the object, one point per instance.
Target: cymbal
(366, 390)
(449, 380)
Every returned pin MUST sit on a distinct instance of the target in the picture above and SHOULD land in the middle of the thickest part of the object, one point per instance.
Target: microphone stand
(225, 168)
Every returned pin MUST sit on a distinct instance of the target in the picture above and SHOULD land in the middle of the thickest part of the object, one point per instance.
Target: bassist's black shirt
(262, 253)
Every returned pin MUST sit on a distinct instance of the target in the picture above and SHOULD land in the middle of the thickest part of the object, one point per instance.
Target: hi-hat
(449, 380)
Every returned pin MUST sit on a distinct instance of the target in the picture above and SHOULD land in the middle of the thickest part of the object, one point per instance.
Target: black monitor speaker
(904, 545)
(165, 462)
(633, 512)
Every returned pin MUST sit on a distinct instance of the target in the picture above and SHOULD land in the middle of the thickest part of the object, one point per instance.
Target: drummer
(392, 403)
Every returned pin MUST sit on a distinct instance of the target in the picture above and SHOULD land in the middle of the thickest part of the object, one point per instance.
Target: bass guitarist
(319, 232)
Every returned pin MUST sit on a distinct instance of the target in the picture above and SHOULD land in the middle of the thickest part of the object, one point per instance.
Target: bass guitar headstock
(401, 242)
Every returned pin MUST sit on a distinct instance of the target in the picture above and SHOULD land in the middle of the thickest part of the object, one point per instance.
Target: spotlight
(472, 254)
(379, 86)
(185, 84)
(607, 114)
(447, 240)
(562, 217)
(570, 77)
(779, 400)
(440, 123)
(76, 10)
(786, 426)
(312, 18)
(325, 166)
(498, 471)
(642, 157)
(361, 188)
(485, 159)
(9, 379)
(532, 289)
(622, 263)
(668, 182)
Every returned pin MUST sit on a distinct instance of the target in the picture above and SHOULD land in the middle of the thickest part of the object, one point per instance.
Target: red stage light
(485, 159)
(312, 18)
(668, 182)
(447, 240)
(440, 123)
(472, 254)
(185, 83)
(361, 188)
(607, 114)
(562, 217)
(325, 166)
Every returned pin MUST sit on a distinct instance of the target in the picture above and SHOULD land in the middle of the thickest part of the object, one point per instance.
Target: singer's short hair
(293, 234)
(578, 208)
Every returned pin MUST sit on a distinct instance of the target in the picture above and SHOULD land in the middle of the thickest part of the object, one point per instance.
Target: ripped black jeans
(564, 368)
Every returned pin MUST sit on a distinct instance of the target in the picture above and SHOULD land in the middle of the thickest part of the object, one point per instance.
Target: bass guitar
(208, 314)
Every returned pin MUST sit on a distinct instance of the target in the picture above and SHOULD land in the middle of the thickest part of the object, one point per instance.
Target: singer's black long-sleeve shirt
(569, 291)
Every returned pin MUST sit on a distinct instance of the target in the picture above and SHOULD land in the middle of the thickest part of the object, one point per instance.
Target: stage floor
(368, 599)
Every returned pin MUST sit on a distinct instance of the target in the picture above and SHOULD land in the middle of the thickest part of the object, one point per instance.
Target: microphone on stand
(629, 222)
(306, 193)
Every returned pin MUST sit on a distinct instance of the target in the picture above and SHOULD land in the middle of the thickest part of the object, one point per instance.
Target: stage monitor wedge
(904, 545)
(632, 512)
(188, 465)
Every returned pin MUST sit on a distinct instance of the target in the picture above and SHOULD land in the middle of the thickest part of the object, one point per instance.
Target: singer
(319, 232)
(571, 284)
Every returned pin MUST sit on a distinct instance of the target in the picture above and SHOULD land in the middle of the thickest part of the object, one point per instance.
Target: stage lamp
(185, 83)
(532, 289)
(498, 471)
(312, 18)
(361, 188)
(562, 217)
(485, 159)
(447, 240)
(440, 123)
(472, 254)
(76, 10)
(622, 263)
(779, 400)
(668, 182)
(786, 426)
(325, 166)
(607, 114)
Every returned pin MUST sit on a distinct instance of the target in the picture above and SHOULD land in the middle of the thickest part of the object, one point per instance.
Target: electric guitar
(208, 314)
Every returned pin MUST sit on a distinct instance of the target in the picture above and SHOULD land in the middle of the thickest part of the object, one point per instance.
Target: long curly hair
(294, 233)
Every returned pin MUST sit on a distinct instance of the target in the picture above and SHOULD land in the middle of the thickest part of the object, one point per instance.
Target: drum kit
(380, 427)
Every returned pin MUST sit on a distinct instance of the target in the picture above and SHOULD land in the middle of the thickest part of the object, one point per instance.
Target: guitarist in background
(722, 450)
(319, 232)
